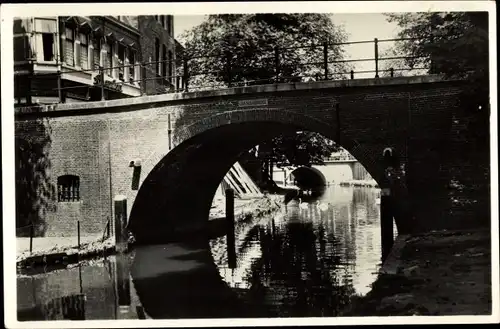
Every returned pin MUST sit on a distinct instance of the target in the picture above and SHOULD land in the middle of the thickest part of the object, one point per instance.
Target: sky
(359, 27)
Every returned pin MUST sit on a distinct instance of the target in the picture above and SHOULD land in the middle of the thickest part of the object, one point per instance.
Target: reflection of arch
(176, 195)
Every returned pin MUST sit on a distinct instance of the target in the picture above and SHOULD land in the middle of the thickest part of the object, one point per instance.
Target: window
(121, 61)
(164, 62)
(68, 188)
(170, 26)
(69, 50)
(167, 25)
(157, 52)
(97, 53)
(48, 46)
(22, 50)
(131, 61)
(109, 57)
(84, 49)
(170, 65)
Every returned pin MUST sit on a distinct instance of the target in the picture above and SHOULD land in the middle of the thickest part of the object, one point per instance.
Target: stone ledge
(159, 100)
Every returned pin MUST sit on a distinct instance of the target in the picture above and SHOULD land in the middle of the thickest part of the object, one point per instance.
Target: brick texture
(150, 29)
(208, 133)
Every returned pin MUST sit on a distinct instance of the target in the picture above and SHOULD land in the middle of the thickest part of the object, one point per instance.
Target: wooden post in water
(120, 223)
(31, 237)
(386, 225)
(123, 283)
(78, 232)
(231, 245)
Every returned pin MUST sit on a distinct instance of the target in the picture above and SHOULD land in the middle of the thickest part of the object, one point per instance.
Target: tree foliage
(454, 44)
(34, 191)
(246, 49)
(301, 149)
(257, 49)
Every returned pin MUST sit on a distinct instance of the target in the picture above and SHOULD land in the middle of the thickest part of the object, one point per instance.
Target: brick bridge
(181, 146)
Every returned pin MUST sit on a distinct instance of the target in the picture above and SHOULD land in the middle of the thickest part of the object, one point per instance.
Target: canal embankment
(437, 273)
(60, 252)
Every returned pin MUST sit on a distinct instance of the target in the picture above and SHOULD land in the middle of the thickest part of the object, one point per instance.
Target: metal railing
(277, 65)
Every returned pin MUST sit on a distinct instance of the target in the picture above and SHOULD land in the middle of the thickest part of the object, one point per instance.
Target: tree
(35, 193)
(393, 58)
(302, 149)
(455, 45)
(254, 49)
(260, 48)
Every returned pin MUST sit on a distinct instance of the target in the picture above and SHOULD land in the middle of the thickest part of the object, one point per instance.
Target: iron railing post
(277, 64)
(325, 59)
(101, 73)
(376, 57)
(186, 74)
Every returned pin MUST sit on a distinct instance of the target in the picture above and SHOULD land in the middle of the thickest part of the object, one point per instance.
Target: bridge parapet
(145, 102)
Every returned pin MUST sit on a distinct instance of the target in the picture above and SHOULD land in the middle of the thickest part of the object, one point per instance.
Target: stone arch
(203, 152)
(312, 177)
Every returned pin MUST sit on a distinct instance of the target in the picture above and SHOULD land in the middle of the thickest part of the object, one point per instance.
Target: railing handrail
(227, 74)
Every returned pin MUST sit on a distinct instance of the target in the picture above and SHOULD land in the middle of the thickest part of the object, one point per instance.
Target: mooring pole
(78, 232)
(231, 245)
(120, 223)
(123, 283)
(386, 222)
(31, 237)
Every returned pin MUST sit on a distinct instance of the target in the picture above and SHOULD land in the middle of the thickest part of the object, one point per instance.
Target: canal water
(310, 260)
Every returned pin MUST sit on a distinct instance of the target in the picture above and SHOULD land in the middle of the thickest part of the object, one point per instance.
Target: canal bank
(60, 252)
(437, 273)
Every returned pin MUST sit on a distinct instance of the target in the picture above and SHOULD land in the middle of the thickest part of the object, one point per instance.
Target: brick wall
(414, 119)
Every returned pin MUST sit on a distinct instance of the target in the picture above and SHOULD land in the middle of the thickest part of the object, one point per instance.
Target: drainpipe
(110, 177)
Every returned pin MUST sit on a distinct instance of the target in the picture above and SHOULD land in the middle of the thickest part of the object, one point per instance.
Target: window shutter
(78, 55)
(84, 50)
(97, 54)
(68, 47)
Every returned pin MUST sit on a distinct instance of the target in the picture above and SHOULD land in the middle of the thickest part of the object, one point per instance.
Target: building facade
(157, 46)
(62, 59)
(58, 59)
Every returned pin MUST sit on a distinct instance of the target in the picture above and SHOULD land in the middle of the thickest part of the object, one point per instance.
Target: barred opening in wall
(68, 188)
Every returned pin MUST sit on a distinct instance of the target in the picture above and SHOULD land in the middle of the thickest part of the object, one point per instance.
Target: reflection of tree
(298, 266)
(34, 190)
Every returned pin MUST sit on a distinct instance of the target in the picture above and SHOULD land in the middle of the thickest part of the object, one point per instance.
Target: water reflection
(308, 260)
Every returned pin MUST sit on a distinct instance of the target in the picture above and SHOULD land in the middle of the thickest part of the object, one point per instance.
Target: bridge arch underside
(175, 198)
(309, 178)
